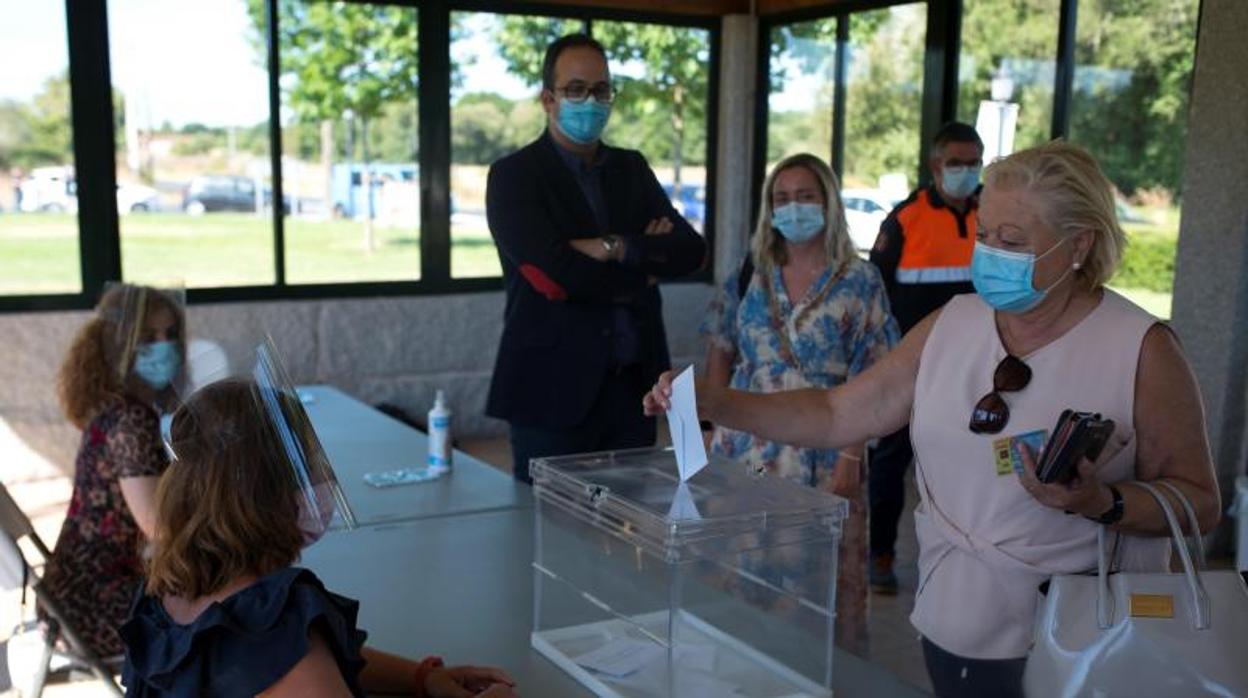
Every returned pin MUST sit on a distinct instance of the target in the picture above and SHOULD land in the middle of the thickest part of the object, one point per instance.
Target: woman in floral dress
(804, 311)
(118, 371)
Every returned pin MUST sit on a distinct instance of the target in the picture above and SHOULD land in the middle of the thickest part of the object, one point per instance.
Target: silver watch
(611, 243)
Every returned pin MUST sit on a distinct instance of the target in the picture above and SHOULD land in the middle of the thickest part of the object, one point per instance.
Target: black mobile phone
(1076, 436)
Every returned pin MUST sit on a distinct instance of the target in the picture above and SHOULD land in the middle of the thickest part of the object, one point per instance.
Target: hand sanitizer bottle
(440, 433)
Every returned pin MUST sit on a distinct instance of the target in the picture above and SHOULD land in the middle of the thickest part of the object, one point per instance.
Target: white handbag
(1143, 634)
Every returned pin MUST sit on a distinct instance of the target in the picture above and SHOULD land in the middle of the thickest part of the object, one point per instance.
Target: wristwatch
(611, 243)
(1114, 514)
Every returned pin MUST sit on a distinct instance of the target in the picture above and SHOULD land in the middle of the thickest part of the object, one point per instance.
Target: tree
(38, 133)
(1134, 63)
(884, 64)
(488, 126)
(1129, 106)
(884, 93)
(339, 59)
(810, 48)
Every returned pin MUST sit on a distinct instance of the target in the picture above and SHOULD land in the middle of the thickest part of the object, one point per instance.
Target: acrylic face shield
(145, 334)
(243, 410)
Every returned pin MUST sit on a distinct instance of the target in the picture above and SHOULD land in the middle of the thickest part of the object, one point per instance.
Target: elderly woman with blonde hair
(804, 311)
(1041, 335)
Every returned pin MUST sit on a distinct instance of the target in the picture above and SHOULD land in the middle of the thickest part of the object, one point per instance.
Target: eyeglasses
(577, 91)
(991, 414)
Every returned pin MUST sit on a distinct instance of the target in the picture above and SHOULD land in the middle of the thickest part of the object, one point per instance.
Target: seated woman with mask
(226, 612)
(113, 383)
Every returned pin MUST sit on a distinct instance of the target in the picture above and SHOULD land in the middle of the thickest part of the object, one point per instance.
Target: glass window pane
(496, 76)
(1022, 48)
(193, 153)
(38, 202)
(663, 74)
(1129, 109)
(803, 81)
(350, 141)
(883, 115)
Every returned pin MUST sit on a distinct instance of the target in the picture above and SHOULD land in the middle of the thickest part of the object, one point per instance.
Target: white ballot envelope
(682, 420)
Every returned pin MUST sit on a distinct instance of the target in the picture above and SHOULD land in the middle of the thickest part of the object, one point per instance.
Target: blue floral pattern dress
(838, 329)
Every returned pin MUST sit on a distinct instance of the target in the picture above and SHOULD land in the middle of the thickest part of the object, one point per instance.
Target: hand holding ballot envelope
(682, 420)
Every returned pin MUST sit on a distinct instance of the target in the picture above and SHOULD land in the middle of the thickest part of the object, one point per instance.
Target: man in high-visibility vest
(924, 255)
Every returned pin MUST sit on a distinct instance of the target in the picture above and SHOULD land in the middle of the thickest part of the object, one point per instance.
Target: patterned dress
(837, 330)
(96, 567)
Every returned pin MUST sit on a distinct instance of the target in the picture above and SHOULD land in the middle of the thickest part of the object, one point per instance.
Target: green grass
(39, 252)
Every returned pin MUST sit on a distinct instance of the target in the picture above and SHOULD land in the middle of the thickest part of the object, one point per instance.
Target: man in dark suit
(584, 232)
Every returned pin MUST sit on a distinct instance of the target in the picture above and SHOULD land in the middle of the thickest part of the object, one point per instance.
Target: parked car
(49, 190)
(865, 210)
(137, 198)
(213, 193)
(55, 190)
(691, 203)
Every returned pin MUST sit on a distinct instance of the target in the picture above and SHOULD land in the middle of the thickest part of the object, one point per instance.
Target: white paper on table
(621, 656)
(683, 506)
(682, 421)
(689, 684)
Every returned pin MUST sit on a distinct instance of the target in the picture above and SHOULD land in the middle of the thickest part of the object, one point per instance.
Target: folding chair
(17, 573)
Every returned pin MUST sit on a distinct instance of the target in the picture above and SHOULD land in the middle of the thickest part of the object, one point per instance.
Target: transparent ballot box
(722, 586)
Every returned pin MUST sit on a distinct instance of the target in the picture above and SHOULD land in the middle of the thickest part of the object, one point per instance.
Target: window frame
(940, 75)
(939, 101)
(94, 156)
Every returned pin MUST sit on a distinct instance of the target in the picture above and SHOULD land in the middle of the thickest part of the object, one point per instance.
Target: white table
(461, 586)
(358, 440)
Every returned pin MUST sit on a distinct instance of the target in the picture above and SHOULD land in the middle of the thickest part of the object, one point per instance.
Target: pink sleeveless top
(985, 544)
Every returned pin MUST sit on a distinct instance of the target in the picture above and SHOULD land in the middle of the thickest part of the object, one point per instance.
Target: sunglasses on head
(991, 414)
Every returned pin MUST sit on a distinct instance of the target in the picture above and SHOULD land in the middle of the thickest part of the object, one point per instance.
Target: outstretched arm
(873, 404)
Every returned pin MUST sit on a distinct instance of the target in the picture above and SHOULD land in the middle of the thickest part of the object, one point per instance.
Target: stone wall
(1211, 275)
(396, 350)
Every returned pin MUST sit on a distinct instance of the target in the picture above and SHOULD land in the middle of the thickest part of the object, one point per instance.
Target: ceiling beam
(775, 7)
(706, 8)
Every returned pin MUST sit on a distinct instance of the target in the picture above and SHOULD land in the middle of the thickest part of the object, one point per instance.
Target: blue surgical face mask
(583, 122)
(1004, 279)
(959, 182)
(157, 363)
(798, 222)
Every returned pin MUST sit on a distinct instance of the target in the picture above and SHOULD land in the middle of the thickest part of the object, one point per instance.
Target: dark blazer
(556, 341)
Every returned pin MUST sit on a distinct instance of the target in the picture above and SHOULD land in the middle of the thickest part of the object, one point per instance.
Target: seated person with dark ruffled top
(113, 383)
(225, 612)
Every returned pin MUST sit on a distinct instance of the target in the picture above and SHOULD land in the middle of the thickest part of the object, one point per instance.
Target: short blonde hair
(1077, 197)
(768, 247)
